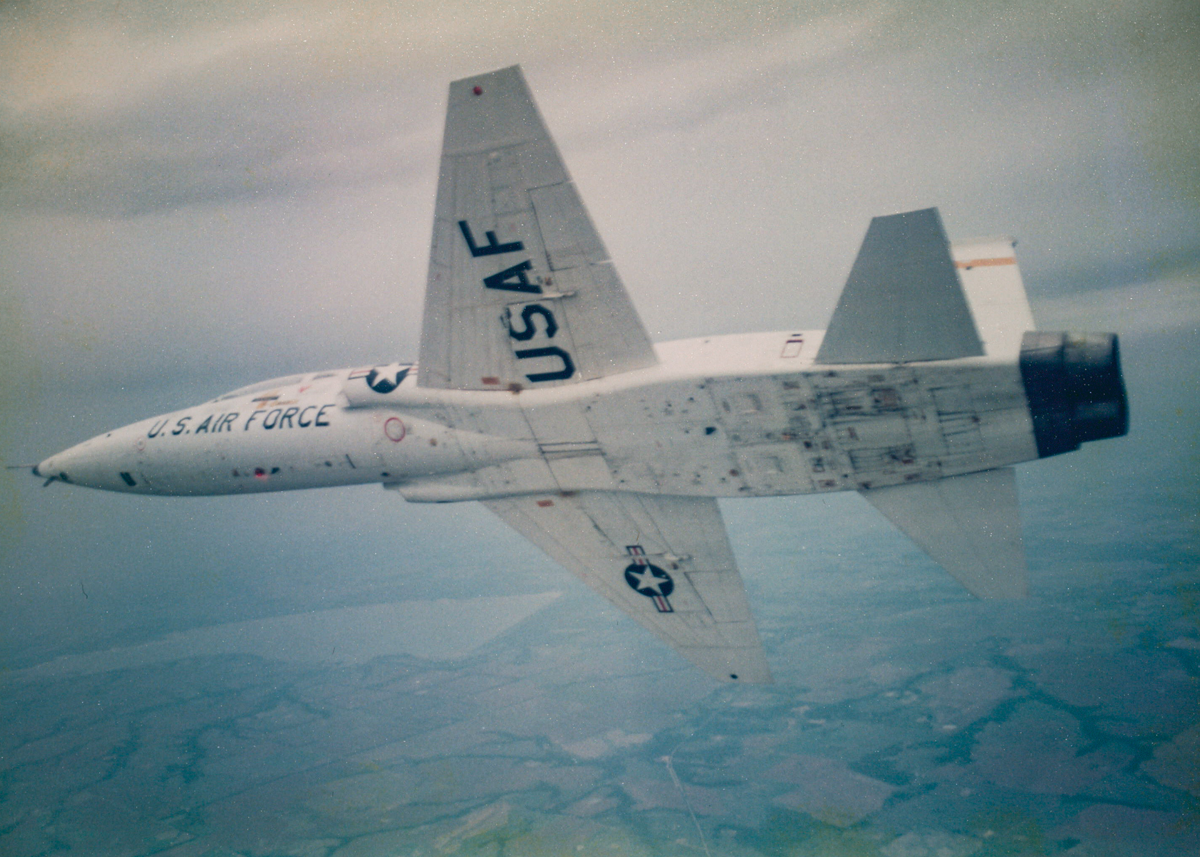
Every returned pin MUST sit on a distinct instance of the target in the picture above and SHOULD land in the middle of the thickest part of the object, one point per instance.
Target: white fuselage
(725, 416)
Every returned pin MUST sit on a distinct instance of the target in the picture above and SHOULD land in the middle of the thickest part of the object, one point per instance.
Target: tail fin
(989, 275)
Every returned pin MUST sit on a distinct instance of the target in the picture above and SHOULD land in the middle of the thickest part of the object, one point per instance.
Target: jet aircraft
(538, 393)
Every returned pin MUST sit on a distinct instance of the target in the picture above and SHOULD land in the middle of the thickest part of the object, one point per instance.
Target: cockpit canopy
(275, 384)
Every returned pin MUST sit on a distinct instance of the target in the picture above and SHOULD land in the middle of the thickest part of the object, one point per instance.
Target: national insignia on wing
(648, 579)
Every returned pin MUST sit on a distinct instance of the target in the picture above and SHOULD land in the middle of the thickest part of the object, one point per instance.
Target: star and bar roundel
(383, 379)
(649, 580)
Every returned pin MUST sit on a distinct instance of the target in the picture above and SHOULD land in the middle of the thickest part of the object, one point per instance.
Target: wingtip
(746, 673)
(736, 678)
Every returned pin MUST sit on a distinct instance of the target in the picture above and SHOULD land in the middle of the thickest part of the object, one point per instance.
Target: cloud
(210, 128)
(197, 196)
(1168, 304)
(120, 112)
(243, 185)
(443, 629)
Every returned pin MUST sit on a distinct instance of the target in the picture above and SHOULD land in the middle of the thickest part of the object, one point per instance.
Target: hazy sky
(197, 196)
(246, 186)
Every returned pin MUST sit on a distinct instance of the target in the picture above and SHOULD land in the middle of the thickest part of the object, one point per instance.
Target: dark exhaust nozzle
(1074, 387)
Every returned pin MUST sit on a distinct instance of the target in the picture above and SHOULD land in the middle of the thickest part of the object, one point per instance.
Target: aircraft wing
(970, 525)
(663, 560)
(903, 301)
(521, 292)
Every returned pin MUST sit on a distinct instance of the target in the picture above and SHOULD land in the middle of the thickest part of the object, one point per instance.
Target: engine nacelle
(1074, 387)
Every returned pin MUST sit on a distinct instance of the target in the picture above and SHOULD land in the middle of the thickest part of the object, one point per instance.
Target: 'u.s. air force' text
(309, 416)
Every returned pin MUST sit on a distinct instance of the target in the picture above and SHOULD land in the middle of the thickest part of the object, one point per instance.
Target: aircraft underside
(539, 393)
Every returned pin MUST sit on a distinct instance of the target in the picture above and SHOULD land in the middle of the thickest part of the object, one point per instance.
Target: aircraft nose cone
(51, 468)
(110, 462)
(90, 464)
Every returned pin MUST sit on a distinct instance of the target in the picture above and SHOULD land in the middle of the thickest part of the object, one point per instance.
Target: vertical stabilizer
(992, 282)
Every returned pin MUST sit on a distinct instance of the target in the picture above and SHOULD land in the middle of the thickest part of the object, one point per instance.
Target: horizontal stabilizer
(902, 301)
(969, 524)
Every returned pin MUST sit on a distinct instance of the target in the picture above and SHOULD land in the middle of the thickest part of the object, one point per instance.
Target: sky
(231, 187)
(195, 197)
